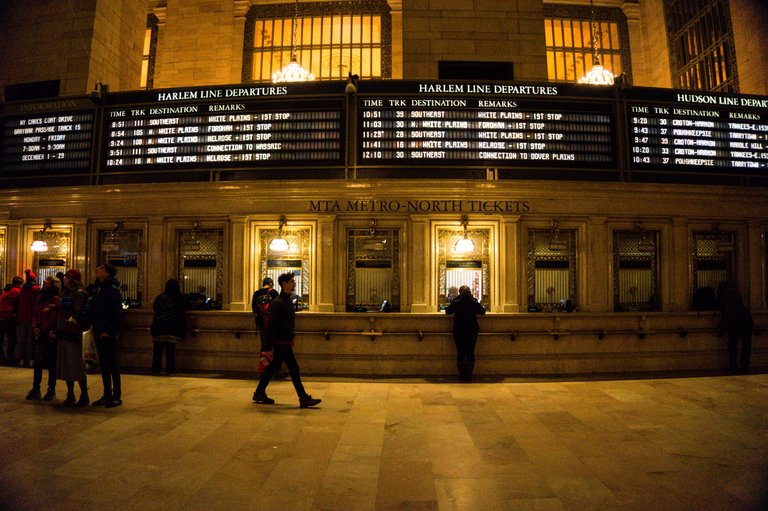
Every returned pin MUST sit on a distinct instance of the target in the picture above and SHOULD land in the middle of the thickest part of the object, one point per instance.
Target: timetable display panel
(697, 131)
(51, 137)
(492, 125)
(228, 127)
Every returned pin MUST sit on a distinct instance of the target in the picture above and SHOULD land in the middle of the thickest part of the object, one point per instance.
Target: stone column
(155, 255)
(597, 292)
(421, 275)
(754, 292)
(239, 272)
(679, 274)
(512, 265)
(325, 283)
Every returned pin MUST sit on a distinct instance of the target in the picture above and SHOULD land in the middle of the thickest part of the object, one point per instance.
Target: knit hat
(31, 277)
(74, 274)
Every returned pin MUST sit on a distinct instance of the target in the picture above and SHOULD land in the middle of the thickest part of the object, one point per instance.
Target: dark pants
(465, 353)
(745, 335)
(48, 362)
(282, 353)
(8, 329)
(110, 373)
(465, 346)
(170, 357)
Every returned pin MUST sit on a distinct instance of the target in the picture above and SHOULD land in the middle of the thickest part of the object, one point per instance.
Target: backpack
(262, 310)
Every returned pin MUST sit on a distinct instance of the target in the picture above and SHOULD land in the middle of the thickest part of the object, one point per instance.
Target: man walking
(282, 329)
(106, 313)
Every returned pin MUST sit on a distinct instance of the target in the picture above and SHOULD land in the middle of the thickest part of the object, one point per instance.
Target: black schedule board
(224, 127)
(481, 124)
(694, 131)
(47, 138)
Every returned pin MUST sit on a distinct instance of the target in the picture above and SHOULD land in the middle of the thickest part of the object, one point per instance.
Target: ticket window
(551, 275)
(201, 266)
(463, 260)
(51, 252)
(124, 250)
(713, 258)
(373, 269)
(636, 272)
(292, 256)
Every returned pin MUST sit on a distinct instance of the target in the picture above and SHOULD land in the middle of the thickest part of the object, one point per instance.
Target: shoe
(83, 401)
(102, 401)
(33, 394)
(114, 403)
(50, 395)
(263, 399)
(307, 401)
(69, 402)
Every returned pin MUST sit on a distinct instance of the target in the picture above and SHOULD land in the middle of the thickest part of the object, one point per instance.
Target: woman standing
(168, 326)
(465, 310)
(45, 318)
(69, 359)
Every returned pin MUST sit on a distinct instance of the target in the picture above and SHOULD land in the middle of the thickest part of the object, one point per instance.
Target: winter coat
(465, 310)
(169, 318)
(106, 308)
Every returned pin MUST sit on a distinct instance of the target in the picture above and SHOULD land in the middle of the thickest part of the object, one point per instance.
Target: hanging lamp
(598, 75)
(293, 72)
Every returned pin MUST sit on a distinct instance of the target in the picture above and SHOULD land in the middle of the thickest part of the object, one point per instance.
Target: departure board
(225, 127)
(697, 131)
(492, 125)
(47, 137)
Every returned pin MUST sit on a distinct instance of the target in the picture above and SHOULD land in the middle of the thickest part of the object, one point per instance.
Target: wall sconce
(645, 244)
(111, 243)
(464, 244)
(39, 244)
(557, 244)
(191, 244)
(279, 244)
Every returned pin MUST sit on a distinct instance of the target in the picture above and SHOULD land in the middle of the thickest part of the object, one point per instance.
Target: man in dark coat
(282, 330)
(465, 328)
(106, 311)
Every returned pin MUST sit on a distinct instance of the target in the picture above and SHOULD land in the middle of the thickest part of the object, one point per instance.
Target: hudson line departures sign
(695, 130)
(384, 124)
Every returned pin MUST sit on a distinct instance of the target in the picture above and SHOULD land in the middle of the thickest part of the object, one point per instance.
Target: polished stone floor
(693, 443)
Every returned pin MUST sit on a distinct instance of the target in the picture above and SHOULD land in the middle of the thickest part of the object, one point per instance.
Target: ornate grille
(635, 270)
(201, 262)
(56, 258)
(125, 250)
(465, 269)
(295, 260)
(551, 275)
(373, 268)
(712, 258)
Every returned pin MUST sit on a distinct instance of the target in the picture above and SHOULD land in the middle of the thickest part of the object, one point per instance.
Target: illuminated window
(333, 39)
(373, 269)
(568, 36)
(123, 249)
(201, 266)
(149, 53)
(701, 47)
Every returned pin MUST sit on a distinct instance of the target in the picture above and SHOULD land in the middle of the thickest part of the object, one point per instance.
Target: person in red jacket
(25, 338)
(45, 317)
(9, 305)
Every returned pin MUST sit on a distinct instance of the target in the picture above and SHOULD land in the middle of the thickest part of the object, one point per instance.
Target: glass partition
(373, 270)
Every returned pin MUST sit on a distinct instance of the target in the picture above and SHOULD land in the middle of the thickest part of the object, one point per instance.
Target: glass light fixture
(39, 244)
(293, 72)
(111, 243)
(645, 244)
(191, 244)
(557, 244)
(464, 245)
(279, 244)
(598, 75)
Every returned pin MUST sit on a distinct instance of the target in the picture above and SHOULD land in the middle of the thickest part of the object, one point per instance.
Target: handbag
(265, 358)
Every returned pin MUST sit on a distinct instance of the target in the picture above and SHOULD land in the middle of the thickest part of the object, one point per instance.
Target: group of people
(49, 335)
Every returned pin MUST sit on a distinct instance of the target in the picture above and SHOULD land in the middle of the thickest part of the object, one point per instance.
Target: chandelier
(464, 245)
(598, 75)
(293, 72)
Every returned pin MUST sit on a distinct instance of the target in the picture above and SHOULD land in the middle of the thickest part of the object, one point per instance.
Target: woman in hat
(69, 361)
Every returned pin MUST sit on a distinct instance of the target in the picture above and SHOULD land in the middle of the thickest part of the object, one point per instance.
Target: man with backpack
(260, 305)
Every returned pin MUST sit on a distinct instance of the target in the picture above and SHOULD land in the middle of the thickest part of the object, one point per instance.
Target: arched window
(333, 39)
